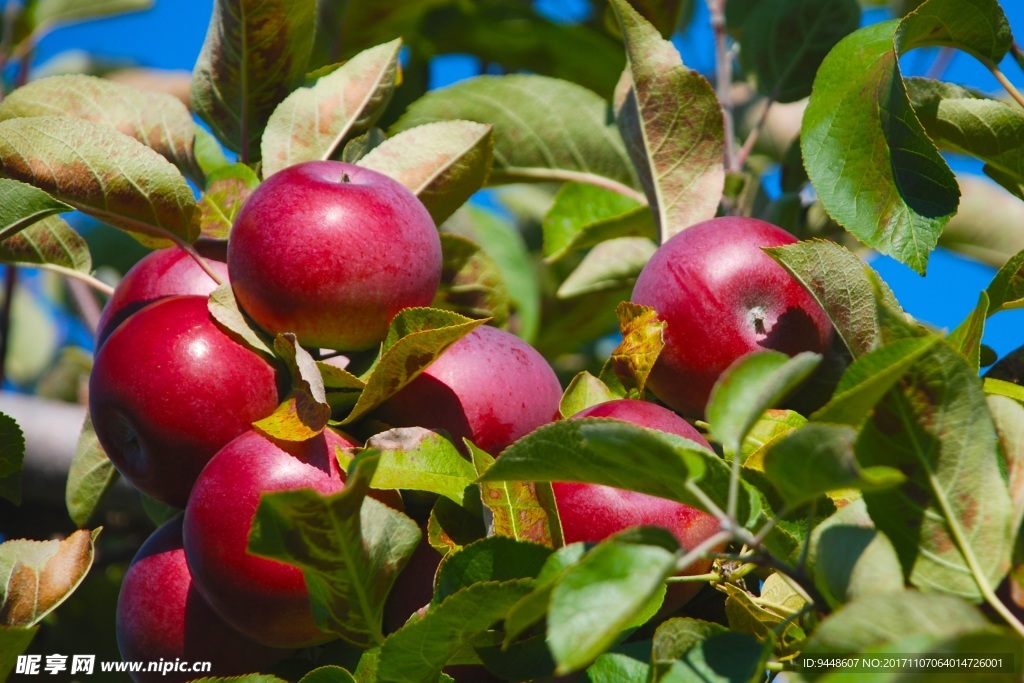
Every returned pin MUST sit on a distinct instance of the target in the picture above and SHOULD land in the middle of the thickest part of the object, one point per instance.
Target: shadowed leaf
(471, 282)
(12, 455)
(1007, 288)
(496, 558)
(254, 54)
(227, 188)
(672, 123)
(50, 242)
(311, 123)
(611, 265)
(443, 163)
(14, 641)
(110, 176)
(225, 311)
(21, 205)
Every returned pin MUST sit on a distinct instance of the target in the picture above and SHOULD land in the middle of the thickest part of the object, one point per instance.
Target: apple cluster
(331, 252)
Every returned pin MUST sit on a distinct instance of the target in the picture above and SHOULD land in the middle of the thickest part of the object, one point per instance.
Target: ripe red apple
(161, 616)
(591, 512)
(331, 252)
(168, 389)
(490, 387)
(159, 274)
(265, 599)
(722, 298)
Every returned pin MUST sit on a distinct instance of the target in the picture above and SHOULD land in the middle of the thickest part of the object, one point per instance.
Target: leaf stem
(191, 251)
(702, 548)
(726, 521)
(734, 480)
(1004, 81)
(710, 577)
(86, 278)
(555, 175)
(1018, 54)
(723, 80)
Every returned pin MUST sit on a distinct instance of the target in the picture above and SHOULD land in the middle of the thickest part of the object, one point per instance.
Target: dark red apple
(161, 616)
(490, 387)
(265, 599)
(331, 252)
(169, 388)
(591, 512)
(159, 274)
(723, 298)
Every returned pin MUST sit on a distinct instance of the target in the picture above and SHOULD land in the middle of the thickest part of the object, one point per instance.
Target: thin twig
(1003, 80)
(752, 137)
(88, 307)
(702, 548)
(1018, 54)
(941, 63)
(723, 80)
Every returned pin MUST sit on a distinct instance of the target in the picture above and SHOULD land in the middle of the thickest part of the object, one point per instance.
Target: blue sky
(171, 35)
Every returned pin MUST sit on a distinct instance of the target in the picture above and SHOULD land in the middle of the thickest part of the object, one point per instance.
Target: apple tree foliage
(871, 500)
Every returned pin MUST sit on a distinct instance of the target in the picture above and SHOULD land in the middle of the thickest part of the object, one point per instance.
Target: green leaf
(875, 169)
(750, 386)
(442, 163)
(103, 173)
(583, 216)
(21, 205)
(842, 284)
(874, 620)
(312, 122)
(643, 338)
(422, 460)
(328, 674)
(625, 456)
(37, 576)
(1007, 288)
(611, 265)
(818, 458)
(417, 652)
(849, 558)
(671, 121)
(49, 243)
(158, 120)
(13, 642)
(247, 678)
(450, 526)
(305, 412)
(544, 129)
(227, 188)
(603, 595)
(674, 637)
(12, 456)
(952, 516)
(361, 145)
(525, 511)
(966, 338)
(959, 120)
(506, 246)
(1008, 416)
(616, 667)
(497, 558)
(869, 379)
(350, 549)
(534, 606)
(44, 15)
(998, 387)
(225, 311)
(772, 426)
(254, 54)
(785, 42)
(90, 477)
(416, 337)
(584, 391)
(721, 658)
(208, 152)
(471, 282)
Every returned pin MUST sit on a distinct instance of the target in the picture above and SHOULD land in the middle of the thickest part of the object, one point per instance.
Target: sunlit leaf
(227, 188)
(422, 460)
(89, 478)
(523, 510)
(611, 265)
(643, 338)
(583, 215)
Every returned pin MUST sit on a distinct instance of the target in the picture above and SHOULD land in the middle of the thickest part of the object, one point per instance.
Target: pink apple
(161, 616)
(490, 387)
(591, 512)
(168, 389)
(265, 599)
(159, 274)
(331, 252)
(723, 298)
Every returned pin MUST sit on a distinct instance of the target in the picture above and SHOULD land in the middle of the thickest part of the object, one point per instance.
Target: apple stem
(345, 178)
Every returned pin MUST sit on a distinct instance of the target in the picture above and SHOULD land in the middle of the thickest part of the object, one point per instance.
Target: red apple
(168, 389)
(414, 586)
(159, 274)
(723, 298)
(490, 387)
(591, 512)
(265, 599)
(331, 252)
(161, 616)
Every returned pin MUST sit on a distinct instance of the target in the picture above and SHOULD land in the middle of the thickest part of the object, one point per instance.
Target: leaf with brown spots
(255, 52)
(643, 338)
(108, 175)
(158, 120)
(37, 576)
(672, 123)
(951, 520)
(311, 123)
(50, 243)
(523, 510)
(443, 163)
(416, 337)
(227, 189)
